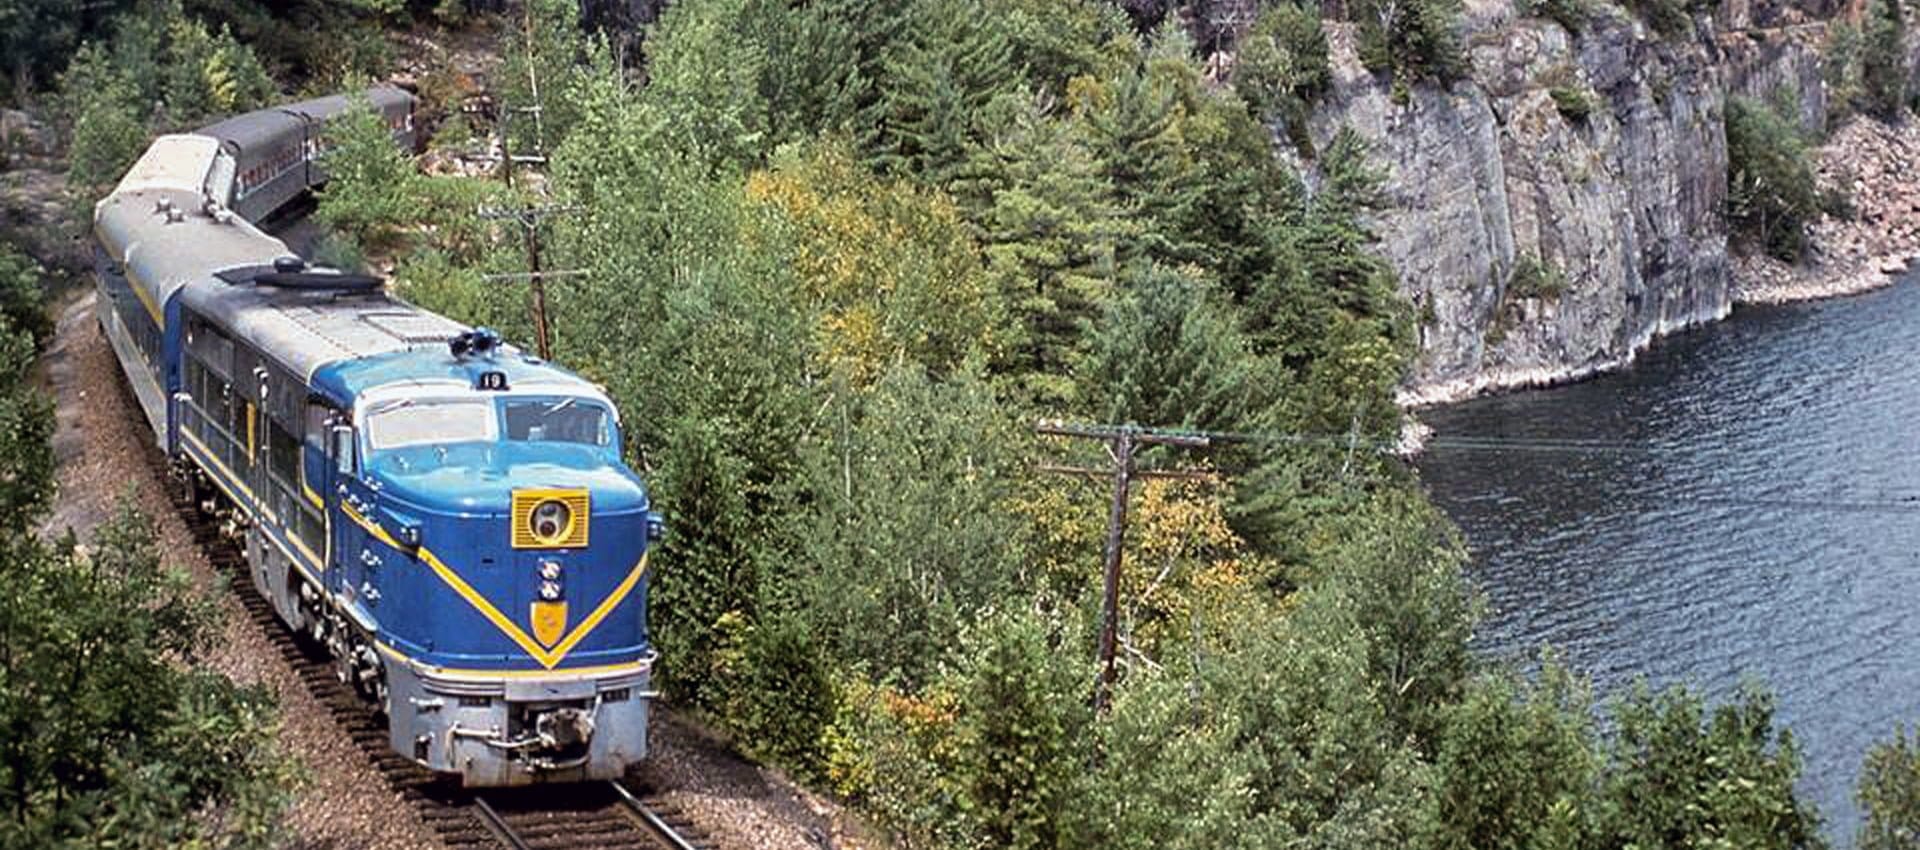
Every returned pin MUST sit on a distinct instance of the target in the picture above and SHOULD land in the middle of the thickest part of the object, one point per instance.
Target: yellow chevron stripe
(548, 658)
(598, 670)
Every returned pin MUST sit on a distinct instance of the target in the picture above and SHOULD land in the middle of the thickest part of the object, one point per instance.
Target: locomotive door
(256, 442)
(353, 571)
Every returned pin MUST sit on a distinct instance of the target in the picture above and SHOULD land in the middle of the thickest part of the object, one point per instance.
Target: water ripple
(1760, 531)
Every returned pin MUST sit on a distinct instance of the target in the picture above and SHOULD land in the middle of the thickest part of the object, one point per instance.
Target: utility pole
(529, 217)
(1121, 441)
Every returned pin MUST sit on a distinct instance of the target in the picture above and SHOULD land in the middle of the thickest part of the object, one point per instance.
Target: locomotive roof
(164, 241)
(305, 329)
(436, 368)
(344, 343)
(249, 129)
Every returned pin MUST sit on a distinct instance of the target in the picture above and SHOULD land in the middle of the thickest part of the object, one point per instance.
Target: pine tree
(1049, 230)
(940, 76)
(811, 82)
(1884, 68)
(1133, 129)
(1168, 354)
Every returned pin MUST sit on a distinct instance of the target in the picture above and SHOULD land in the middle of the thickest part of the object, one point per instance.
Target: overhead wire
(1829, 501)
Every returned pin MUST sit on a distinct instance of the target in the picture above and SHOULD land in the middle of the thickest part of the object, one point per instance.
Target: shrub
(1890, 794)
(1534, 277)
(1679, 775)
(1669, 18)
(1283, 62)
(1770, 186)
(1575, 102)
(1842, 71)
(129, 746)
(783, 701)
(1413, 39)
(103, 105)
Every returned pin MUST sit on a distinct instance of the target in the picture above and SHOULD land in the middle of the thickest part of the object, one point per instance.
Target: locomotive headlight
(550, 521)
(550, 591)
(550, 570)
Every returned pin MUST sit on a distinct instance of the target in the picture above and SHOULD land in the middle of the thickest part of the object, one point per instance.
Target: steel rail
(661, 828)
(497, 824)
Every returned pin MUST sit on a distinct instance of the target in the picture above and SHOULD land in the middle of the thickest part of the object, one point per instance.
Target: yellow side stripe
(252, 502)
(140, 292)
(548, 658)
(310, 572)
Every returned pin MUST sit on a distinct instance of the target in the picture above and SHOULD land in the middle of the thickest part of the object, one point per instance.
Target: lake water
(1743, 504)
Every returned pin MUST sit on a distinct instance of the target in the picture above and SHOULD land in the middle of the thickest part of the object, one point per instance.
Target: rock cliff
(1563, 204)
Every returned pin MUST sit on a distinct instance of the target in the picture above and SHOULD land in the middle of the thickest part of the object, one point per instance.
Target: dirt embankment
(102, 447)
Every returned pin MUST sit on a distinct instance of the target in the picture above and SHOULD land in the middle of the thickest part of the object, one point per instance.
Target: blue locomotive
(448, 516)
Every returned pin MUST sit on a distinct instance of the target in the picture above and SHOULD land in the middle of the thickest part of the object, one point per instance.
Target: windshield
(566, 420)
(403, 423)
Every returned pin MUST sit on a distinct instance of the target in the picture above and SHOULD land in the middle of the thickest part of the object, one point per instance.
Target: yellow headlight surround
(535, 527)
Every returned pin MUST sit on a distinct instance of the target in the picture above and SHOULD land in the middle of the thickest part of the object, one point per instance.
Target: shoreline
(1871, 250)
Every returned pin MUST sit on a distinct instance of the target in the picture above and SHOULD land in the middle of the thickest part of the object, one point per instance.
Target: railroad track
(604, 815)
(609, 815)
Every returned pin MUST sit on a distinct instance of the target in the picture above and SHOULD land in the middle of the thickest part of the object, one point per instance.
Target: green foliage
(102, 104)
(1282, 63)
(1200, 795)
(1340, 702)
(376, 204)
(910, 487)
(1020, 713)
(1883, 60)
(1534, 277)
(207, 74)
(779, 697)
(707, 80)
(1890, 794)
(21, 310)
(1413, 40)
(892, 267)
(108, 736)
(1677, 776)
(26, 417)
(371, 196)
(1771, 194)
(1517, 763)
(1169, 353)
(1048, 232)
(1670, 18)
(1575, 102)
(37, 38)
(547, 47)
(942, 74)
(1841, 70)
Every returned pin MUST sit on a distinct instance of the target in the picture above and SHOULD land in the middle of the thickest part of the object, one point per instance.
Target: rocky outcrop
(1871, 164)
(35, 213)
(1564, 204)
